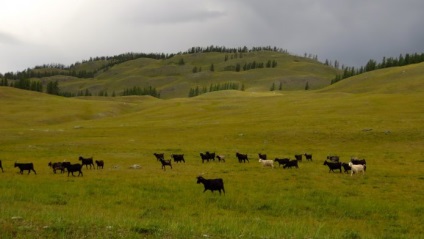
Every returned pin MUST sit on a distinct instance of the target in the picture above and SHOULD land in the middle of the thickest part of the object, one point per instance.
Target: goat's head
(200, 179)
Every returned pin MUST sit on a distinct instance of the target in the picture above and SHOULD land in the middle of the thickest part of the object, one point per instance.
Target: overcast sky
(36, 32)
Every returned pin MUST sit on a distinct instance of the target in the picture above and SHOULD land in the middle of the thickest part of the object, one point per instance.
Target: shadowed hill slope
(28, 108)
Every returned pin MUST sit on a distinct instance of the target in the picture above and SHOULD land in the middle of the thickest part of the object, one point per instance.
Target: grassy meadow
(384, 127)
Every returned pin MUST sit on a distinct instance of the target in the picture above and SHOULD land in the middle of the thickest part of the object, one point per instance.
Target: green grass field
(354, 117)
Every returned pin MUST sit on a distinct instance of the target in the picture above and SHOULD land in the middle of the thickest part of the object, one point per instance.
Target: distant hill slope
(405, 79)
(173, 79)
(29, 108)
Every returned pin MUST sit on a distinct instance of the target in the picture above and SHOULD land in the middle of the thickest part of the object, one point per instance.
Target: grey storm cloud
(179, 17)
(350, 31)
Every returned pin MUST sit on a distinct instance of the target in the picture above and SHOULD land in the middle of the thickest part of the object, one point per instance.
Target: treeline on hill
(385, 63)
(252, 65)
(48, 70)
(247, 66)
(224, 49)
(214, 87)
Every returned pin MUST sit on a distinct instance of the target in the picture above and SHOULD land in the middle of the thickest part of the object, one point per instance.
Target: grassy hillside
(28, 108)
(117, 202)
(175, 80)
(406, 79)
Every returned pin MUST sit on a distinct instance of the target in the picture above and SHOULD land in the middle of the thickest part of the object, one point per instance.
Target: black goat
(333, 158)
(358, 161)
(212, 184)
(57, 166)
(204, 157)
(165, 163)
(207, 156)
(242, 157)
(159, 156)
(262, 156)
(333, 165)
(282, 161)
(346, 167)
(177, 158)
(298, 157)
(86, 161)
(74, 168)
(25, 166)
(291, 163)
(308, 157)
(100, 164)
(1, 167)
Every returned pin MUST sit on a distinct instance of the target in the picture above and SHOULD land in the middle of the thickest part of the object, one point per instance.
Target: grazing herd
(60, 166)
(355, 165)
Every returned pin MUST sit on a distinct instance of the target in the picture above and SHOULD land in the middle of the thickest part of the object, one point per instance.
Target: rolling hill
(406, 79)
(174, 77)
(20, 105)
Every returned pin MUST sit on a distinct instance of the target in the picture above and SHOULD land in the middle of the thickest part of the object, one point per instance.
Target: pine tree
(238, 67)
(53, 88)
(272, 87)
(268, 64)
(371, 65)
(212, 67)
(336, 64)
(181, 62)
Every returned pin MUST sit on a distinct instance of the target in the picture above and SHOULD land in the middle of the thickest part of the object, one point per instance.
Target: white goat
(357, 168)
(267, 163)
